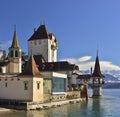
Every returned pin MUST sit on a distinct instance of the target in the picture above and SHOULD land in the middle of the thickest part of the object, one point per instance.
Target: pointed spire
(15, 40)
(97, 52)
(31, 68)
(15, 27)
(97, 71)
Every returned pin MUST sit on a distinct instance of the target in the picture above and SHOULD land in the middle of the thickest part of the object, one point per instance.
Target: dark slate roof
(39, 59)
(53, 66)
(85, 76)
(97, 71)
(58, 66)
(31, 68)
(3, 63)
(15, 41)
(40, 33)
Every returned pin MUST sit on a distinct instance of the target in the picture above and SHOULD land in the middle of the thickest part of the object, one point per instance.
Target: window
(6, 84)
(11, 53)
(39, 41)
(38, 85)
(31, 51)
(12, 79)
(35, 42)
(18, 78)
(16, 53)
(25, 85)
(59, 85)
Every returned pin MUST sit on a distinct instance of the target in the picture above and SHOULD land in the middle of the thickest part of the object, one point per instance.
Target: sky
(81, 27)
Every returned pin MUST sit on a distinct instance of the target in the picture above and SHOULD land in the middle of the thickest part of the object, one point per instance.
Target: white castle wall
(12, 88)
(42, 47)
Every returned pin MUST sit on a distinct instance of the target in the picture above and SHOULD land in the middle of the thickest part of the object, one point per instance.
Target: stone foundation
(38, 106)
(60, 97)
(49, 101)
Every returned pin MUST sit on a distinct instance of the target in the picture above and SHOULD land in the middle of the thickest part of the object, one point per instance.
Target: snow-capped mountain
(112, 78)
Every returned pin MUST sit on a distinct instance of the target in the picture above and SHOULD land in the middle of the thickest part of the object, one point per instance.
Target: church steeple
(15, 50)
(97, 71)
(15, 40)
(15, 54)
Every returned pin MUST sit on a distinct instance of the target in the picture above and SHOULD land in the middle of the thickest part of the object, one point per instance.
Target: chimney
(91, 70)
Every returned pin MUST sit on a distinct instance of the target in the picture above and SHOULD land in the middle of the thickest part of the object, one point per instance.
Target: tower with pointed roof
(15, 55)
(97, 79)
(43, 43)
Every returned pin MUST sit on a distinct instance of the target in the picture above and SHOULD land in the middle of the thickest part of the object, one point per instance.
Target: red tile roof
(31, 68)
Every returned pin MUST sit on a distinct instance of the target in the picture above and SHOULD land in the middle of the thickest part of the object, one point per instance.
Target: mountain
(112, 79)
(112, 76)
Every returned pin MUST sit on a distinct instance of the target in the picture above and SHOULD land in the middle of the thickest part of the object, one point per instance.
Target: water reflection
(97, 110)
(70, 110)
(84, 109)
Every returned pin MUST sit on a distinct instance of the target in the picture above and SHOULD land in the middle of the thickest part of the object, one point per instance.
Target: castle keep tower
(15, 56)
(43, 43)
(97, 79)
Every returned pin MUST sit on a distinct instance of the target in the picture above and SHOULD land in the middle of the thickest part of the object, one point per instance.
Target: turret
(97, 79)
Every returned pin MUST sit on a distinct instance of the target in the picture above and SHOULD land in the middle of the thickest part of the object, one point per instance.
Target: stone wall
(47, 98)
(73, 95)
(59, 97)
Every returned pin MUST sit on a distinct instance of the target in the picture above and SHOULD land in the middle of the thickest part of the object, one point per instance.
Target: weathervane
(42, 21)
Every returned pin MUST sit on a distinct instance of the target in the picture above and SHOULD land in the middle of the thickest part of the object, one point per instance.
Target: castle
(42, 78)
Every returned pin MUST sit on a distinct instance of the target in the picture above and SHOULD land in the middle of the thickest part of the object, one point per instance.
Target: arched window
(11, 53)
(16, 53)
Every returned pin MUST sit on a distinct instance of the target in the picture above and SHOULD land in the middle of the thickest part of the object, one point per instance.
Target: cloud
(78, 60)
(84, 64)
(107, 65)
(85, 58)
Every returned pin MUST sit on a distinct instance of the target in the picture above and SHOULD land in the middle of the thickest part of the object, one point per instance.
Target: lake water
(107, 106)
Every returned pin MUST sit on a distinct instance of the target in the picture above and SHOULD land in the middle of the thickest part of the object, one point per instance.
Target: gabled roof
(40, 33)
(15, 41)
(31, 68)
(39, 60)
(97, 71)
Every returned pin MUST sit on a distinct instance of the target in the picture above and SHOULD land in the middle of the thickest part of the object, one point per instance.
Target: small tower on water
(97, 79)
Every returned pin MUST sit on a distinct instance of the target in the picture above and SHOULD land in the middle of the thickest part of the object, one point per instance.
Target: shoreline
(30, 106)
(48, 105)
